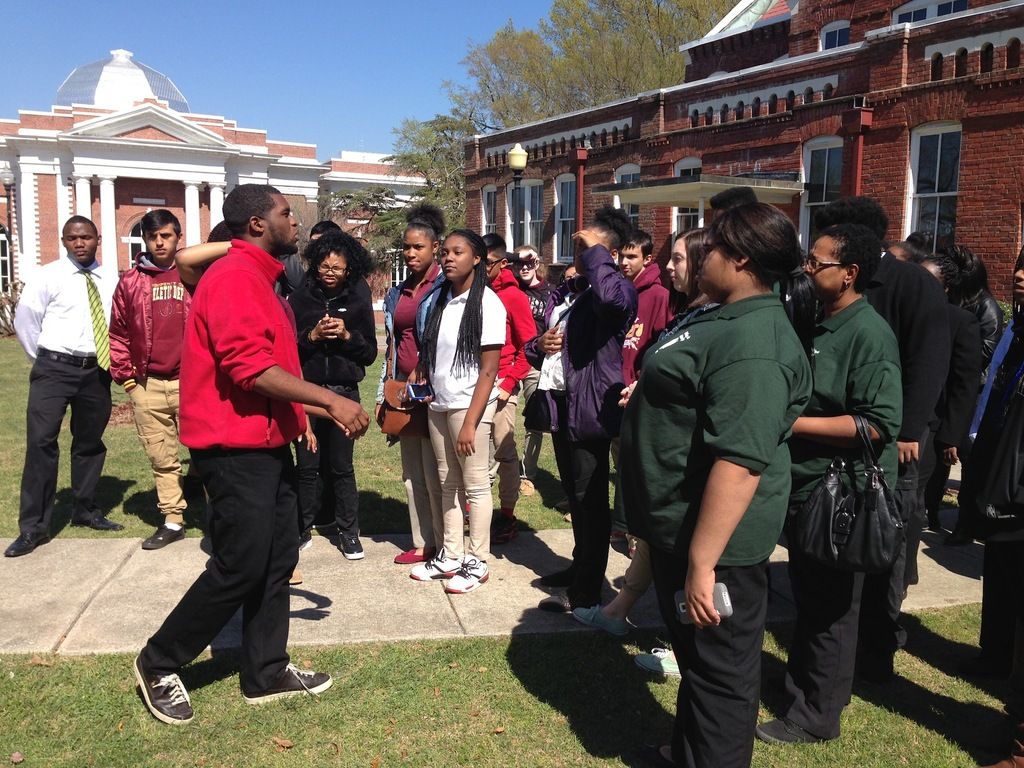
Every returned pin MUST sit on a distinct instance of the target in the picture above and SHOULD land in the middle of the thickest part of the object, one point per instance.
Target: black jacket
(334, 361)
(959, 396)
(990, 317)
(913, 304)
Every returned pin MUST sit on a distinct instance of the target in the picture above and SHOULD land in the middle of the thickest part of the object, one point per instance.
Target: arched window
(773, 104)
(987, 56)
(725, 114)
(740, 110)
(695, 118)
(624, 175)
(755, 107)
(934, 182)
(936, 67)
(136, 245)
(790, 98)
(834, 35)
(960, 63)
(565, 217)
(710, 115)
(1012, 53)
(826, 92)
(808, 95)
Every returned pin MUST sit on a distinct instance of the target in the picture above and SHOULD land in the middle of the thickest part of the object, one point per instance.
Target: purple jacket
(592, 356)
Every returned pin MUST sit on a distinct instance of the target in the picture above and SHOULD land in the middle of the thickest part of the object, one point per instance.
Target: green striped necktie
(100, 332)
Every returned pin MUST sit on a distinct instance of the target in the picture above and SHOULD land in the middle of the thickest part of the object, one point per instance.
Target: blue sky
(338, 74)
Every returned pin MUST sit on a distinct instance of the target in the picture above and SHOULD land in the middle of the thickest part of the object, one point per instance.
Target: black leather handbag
(851, 529)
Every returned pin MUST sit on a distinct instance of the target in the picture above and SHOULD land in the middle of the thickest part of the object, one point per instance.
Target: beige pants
(638, 577)
(155, 405)
(423, 490)
(505, 467)
(468, 473)
(532, 441)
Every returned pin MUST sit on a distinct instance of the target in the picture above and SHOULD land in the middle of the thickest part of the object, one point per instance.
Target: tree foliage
(378, 207)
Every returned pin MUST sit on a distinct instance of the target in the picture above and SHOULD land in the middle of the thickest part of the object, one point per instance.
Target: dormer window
(835, 34)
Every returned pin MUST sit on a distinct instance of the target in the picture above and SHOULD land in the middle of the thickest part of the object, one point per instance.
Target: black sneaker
(162, 537)
(305, 540)
(165, 696)
(784, 731)
(350, 546)
(292, 682)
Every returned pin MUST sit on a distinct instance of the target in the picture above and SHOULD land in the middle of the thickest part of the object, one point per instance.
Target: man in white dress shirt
(62, 322)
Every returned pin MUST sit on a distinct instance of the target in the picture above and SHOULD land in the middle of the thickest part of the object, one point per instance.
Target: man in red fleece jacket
(240, 395)
(512, 369)
(653, 312)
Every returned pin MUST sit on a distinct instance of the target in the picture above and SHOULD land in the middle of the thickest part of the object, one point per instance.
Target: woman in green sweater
(856, 364)
(709, 494)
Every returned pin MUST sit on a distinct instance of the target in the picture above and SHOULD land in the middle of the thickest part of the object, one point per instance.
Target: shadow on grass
(110, 493)
(592, 681)
(143, 505)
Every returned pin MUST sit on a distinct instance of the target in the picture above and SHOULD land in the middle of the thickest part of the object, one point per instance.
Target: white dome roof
(118, 83)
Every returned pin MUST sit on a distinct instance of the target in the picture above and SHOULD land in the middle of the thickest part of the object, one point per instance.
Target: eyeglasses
(492, 262)
(816, 266)
(326, 270)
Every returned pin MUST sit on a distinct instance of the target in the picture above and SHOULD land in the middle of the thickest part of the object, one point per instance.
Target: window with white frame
(685, 219)
(489, 200)
(625, 175)
(934, 181)
(399, 269)
(916, 10)
(6, 262)
(136, 245)
(565, 217)
(823, 177)
(835, 34)
(531, 222)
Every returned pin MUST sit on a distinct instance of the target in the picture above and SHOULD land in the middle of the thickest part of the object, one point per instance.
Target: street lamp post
(7, 179)
(517, 162)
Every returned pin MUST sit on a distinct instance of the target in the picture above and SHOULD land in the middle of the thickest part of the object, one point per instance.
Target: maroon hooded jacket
(652, 315)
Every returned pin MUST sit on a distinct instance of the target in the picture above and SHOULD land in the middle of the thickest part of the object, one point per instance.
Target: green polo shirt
(729, 384)
(856, 364)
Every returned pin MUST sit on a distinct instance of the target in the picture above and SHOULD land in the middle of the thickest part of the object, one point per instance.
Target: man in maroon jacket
(512, 369)
(240, 395)
(147, 324)
(653, 313)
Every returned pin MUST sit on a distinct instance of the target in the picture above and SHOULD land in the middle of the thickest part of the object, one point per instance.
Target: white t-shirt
(452, 390)
(552, 371)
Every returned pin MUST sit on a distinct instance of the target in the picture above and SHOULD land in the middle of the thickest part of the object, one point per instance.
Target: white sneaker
(441, 567)
(471, 575)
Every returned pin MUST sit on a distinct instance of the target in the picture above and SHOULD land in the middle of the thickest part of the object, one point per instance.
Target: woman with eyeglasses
(337, 340)
(705, 472)
(856, 365)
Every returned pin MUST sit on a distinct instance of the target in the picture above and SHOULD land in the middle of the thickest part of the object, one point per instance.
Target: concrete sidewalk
(81, 596)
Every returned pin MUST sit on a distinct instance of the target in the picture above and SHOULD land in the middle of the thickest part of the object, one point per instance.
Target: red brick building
(918, 105)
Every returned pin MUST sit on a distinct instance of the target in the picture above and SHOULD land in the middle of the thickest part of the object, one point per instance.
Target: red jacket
(519, 329)
(652, 315)
(237, 329)
(131, 325)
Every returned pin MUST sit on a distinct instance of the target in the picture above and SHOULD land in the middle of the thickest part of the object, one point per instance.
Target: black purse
(850, 529)
(539, 413)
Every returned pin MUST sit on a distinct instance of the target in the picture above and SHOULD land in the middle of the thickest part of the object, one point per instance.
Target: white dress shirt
(53, 311)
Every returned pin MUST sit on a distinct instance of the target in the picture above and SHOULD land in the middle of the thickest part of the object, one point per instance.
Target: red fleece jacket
(519, 329)
(652, 315)
(237, 329)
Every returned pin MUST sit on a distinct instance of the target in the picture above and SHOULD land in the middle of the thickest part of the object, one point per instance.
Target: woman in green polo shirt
(705, 474)
(856, 364)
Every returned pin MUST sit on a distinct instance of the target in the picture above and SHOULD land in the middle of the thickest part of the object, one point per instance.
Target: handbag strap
(864, 431)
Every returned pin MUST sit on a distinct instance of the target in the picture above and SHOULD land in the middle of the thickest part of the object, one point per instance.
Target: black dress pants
(53, 386)
(1002, 600)
(331, 464)
(583, 469)
(882, 596)
(822, 655)
(716, 708)
(255, 548)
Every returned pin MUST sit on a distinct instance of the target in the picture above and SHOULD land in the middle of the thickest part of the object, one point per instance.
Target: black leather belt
(79, 361)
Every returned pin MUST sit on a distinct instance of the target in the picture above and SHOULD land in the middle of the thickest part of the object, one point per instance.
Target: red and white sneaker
(472, 575)
(440, 567)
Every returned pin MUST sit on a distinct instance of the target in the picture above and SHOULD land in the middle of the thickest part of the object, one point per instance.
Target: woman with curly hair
(337, 340)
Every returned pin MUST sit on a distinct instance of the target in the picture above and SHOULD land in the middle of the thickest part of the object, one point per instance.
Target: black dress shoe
(98, 522)
(784, 731)
(24, 544)
(559, 579)
(652, 755)
(162, 537)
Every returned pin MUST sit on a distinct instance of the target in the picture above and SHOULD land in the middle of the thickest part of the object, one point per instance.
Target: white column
(192, 230)
(83, 196)
(108, 228)
(216, 204)
(700, 212)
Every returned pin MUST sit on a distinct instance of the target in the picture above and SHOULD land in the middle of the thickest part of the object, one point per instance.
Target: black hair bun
(615, 220)
(426, 216)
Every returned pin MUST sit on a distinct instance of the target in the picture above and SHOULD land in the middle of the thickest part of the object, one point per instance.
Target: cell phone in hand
(418, 392)
(720, 597)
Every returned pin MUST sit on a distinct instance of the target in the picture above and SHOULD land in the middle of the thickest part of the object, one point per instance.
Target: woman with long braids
(709, 495)
(406, 307)
(461, 345)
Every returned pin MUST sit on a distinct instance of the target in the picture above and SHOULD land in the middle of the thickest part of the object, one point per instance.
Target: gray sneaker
(660, 661)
